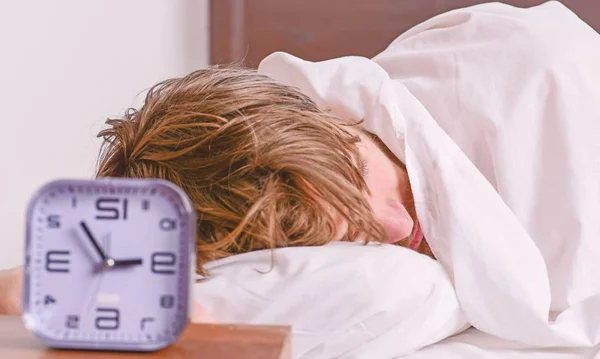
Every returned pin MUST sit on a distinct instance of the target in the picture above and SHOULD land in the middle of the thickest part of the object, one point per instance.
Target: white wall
(67, 65)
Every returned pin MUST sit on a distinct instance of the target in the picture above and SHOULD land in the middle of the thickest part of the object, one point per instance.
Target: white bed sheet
(474, 344)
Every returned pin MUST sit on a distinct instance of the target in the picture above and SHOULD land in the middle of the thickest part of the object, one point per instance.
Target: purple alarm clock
(109, 264)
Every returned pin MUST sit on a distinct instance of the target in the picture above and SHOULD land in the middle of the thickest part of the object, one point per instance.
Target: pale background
(67, 65)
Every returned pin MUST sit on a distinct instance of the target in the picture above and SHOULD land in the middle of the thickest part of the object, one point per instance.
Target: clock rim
(28, 317)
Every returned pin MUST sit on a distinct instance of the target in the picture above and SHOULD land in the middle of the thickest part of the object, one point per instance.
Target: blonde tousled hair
(263, 165)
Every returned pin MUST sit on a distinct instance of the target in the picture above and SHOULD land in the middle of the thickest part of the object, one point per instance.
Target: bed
(245, 32)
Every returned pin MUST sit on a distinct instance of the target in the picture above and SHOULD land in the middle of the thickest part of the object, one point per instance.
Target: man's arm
(11, 281)
(10, 290)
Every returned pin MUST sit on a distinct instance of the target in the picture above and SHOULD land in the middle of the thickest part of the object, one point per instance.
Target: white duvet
(496, 112)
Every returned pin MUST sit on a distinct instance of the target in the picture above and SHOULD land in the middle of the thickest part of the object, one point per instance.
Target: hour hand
(90, 236)
(127, 262)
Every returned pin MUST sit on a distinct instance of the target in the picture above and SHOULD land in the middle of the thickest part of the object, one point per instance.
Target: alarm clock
(109, 264)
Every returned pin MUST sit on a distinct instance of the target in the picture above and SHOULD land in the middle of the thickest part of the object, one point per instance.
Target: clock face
(109, 264)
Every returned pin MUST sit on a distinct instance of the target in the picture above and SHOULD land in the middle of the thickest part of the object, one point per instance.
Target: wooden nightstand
(199, 341)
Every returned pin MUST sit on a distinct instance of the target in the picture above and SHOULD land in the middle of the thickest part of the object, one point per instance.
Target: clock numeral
(144, 320)
(48, 299)
(109, 320)
(74, 202)
(163, 263)
(111, 208)
(145, 205)
(167, 301)
(167, 224)
(57, 261)
(53, 221)
(72, 322)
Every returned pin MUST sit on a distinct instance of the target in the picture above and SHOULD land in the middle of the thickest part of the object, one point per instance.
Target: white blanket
(496, 112)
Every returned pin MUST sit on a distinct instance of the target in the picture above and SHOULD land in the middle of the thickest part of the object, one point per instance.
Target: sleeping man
(264, 166)
(472, 139)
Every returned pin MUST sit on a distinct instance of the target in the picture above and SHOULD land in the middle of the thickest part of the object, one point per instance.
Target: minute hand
(94, 242)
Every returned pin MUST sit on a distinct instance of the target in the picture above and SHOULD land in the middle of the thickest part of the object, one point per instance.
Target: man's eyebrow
(371, 135)
(383, 147)
(362, 165)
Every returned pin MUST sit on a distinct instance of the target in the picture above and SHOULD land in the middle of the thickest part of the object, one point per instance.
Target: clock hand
(108, 262)
(127, 262)
(94, 242)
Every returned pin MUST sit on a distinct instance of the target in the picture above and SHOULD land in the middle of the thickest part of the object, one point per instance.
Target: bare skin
(390, 194)
(11, 282)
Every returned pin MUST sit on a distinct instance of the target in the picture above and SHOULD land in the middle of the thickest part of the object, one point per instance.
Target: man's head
(263, 165)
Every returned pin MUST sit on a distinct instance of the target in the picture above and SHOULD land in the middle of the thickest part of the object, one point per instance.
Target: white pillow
(341, 299)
